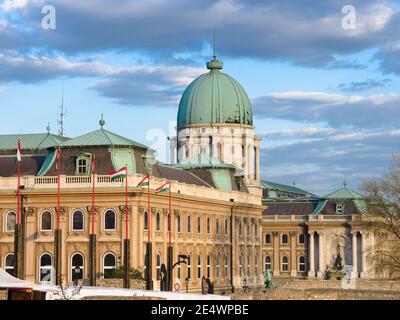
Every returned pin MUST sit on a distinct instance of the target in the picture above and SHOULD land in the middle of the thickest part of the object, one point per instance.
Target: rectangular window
(339, 208)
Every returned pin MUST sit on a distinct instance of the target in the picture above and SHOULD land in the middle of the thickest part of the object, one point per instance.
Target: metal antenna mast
(61, 115)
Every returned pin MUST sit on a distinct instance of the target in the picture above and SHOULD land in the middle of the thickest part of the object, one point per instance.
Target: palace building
(231, 225)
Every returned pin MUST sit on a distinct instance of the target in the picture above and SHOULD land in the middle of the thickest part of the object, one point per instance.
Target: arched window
(77, 264)
(218, 265)
(45, 267)
(219, 151)
(198, 224)
(158, 266)
(46, 221)
(217, 226)
(146, 220)
(240, 229)
(189, 224)
(158, 221)
(179, 223)
(256, 230)
(77, 221)
(208, 266)
(199, 266)
(285, 263)
(256, 265)
(208, 225)
(302, 264)
(248, 265)
(109, 220)
(255, 163)
(226, 260)
(9, 264)
(285, 238)
(226, 226)
(267, 263)
(189, 267)
(240, 265)
(302, 238)
(248, 230)
(11, 219)
(267, 238)
(109, 265)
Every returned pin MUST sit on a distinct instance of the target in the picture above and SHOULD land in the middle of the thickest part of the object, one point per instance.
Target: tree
(383, 208)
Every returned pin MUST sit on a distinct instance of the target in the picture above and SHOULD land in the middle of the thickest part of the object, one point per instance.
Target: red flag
(93, 162)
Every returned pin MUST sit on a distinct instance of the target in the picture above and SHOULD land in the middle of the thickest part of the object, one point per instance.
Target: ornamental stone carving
(122, 209)
(96, 209)
(63, 210)
(30, 211)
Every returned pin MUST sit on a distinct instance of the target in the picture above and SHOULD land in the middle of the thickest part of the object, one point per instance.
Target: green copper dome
(214, 97)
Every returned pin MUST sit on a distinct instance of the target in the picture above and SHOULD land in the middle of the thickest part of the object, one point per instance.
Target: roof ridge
(105, 132)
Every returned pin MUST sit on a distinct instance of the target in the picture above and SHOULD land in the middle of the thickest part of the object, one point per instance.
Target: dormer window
(82, 165)
(340, 208)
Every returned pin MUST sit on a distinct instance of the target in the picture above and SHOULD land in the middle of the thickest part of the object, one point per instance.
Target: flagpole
(126, 281)
(93, 190)
(19, 184)
(126, 200)
(170, 253)
(18, 232)
(57, 231)
(92, 236)
(58, 188)
(148, 211)
(149, 280)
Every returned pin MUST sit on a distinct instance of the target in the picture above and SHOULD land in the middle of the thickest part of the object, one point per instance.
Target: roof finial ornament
(294, 183)
(48, 128)
(214, 63)
(215, 47)
(102, 122)
(344, 183)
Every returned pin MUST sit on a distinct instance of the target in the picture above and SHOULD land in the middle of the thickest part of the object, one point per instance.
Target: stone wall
(118, 283)
(319, 294)
(362, 284)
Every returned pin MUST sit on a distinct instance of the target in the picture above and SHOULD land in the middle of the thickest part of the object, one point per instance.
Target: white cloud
(14, 4)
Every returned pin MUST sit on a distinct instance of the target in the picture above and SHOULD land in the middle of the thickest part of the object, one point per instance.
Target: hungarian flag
(93, 162)
(144, 182)
(121, 173)
(58, 157)
(163, 188)
(18, 152)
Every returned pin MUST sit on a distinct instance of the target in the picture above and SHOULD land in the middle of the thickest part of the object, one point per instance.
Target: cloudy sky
(324, 89)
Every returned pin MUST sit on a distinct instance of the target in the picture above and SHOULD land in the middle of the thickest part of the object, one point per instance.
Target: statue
(268, 279)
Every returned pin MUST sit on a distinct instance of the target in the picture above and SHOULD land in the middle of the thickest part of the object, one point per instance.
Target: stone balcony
(9, 184)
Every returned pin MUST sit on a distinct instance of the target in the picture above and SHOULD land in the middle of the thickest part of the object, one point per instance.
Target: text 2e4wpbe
(216, 309)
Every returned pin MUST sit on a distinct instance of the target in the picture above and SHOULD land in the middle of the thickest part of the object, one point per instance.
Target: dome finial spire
(214, 63)
(102, 122)
(215, 47)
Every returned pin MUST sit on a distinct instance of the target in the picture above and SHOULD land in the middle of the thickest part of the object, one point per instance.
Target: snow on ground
(119, 292)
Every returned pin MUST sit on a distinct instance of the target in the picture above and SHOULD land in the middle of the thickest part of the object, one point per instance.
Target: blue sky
(325, 99)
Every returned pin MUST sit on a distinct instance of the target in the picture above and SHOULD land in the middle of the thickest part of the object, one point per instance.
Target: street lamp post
(187, 284)
(77, 270)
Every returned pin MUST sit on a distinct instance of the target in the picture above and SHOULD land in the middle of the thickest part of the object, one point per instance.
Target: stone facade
(205, 227)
